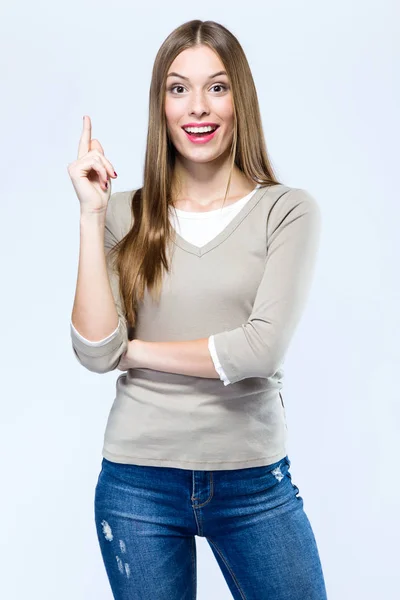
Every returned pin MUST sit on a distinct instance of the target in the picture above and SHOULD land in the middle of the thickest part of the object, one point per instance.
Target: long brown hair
(142, 254)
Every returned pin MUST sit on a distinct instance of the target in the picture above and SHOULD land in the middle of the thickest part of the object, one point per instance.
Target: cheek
(226, 111)
(173, 112)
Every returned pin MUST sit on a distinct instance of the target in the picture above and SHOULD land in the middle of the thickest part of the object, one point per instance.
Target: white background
(327, 76)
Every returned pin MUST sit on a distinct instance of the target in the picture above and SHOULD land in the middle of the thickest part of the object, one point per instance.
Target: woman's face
(199, 99)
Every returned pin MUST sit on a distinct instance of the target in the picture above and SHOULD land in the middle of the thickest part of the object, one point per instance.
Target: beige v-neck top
(197, 228)
(246, 289)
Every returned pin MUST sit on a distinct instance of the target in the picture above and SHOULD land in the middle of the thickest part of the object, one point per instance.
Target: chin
(203, 157)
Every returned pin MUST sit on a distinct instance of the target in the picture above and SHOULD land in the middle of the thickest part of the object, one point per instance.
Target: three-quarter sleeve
(105, 356)
(257, 347)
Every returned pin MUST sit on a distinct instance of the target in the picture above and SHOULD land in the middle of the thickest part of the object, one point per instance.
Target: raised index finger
(84, 142)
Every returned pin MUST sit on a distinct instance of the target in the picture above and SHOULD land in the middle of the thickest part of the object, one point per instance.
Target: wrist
(137, 354)
(90, 219)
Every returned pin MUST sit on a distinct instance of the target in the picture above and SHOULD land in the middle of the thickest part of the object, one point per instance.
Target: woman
(193, 285)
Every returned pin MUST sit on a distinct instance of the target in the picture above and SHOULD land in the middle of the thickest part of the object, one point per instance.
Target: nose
(198, 105)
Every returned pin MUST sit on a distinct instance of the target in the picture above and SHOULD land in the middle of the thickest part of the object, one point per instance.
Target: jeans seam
(209, 498)
(228, 567)
(194, 582)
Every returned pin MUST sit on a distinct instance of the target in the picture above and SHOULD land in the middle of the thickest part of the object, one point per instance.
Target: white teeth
(199, 129)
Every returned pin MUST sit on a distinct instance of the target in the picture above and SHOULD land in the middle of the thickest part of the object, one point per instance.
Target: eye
(174, 86)
(220, 85)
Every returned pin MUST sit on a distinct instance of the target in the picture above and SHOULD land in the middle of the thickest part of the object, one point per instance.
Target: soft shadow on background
(327, 77)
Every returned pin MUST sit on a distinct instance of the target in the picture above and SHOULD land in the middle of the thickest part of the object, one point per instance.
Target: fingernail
(115, 174)
(106, 184)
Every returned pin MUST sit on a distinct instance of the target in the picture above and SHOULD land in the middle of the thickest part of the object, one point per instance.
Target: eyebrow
(187, 78)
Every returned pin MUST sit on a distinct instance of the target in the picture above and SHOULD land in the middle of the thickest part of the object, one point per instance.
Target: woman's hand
(90, 172)
(131, 358)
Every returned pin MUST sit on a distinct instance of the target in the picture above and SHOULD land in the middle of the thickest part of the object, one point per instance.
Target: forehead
(197, 63)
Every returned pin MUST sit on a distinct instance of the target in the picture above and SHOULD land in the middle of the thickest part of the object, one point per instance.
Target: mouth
(201, 138)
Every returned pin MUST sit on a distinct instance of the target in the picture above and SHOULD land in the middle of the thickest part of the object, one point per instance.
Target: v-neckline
(226, 231)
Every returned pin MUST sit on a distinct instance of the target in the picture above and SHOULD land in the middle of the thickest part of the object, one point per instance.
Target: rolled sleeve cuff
(217, 364)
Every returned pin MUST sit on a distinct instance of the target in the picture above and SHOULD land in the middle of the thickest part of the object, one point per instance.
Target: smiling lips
(201, 138)
(204, 124)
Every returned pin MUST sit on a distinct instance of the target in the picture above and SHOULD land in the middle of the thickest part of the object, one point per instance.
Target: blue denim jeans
(253, 519)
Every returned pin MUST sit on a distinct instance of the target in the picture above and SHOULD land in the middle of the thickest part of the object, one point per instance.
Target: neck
(205, 187)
